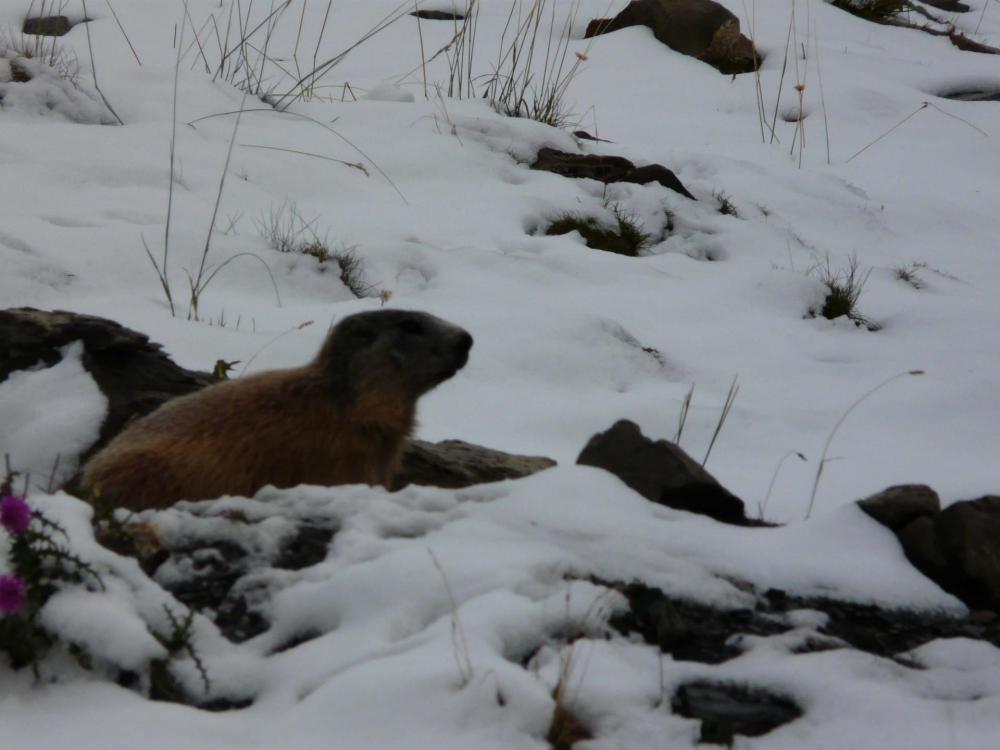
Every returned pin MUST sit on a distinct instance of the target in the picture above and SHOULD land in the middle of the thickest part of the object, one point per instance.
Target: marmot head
(407, 351)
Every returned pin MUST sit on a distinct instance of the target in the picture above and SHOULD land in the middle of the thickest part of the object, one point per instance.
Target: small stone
(47, 26)
(901, 504)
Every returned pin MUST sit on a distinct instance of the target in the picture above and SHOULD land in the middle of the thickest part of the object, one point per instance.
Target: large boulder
(662, 472)
(699, 28)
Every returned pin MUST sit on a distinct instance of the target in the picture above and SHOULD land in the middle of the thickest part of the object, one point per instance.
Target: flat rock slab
(606, 169)
(455, 463)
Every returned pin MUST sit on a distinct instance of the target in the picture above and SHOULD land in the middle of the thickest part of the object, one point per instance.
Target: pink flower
(13, 594)
(15, 515)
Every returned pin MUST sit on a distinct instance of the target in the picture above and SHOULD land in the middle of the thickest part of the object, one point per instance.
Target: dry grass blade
(826, 447)
(124, 33)
(734, 389)
(682, 418)
(460, 647)
(314, 122)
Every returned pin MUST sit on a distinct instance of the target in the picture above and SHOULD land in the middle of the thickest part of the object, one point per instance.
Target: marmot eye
(411, 326)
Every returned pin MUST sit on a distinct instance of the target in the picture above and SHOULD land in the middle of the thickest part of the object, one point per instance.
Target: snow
(448, 218)
(50, 416)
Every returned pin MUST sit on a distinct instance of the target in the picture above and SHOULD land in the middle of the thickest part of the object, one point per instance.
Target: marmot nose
(464, 342)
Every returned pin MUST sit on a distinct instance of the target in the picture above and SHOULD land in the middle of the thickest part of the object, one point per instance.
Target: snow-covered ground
(448, 218)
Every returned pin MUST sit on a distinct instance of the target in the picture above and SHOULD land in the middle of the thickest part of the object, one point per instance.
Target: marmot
(344, 418)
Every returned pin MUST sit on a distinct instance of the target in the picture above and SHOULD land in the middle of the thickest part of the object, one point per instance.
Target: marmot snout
(344, 418)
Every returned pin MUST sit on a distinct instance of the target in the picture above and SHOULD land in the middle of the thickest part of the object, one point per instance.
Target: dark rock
(47, 26)
(968, 534)
(687, 630)
(699, 28)
(133, 373)
(953, 6)
(973, 95)
(691, 631)
(662, 472)
(919, 540)
(728, 709)
(597, 26)
(309, 547)
(657, 173)
(438, 15)
(606, 169)
(584, 135)
(901, 504)
(965, 44)
(455, 463)
(959, 549)
(220, 576)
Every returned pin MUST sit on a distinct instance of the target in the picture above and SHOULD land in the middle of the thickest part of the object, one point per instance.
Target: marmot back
(344, 418)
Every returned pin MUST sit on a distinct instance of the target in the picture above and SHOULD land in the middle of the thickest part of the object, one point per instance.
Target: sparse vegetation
(910, 274)
(533, 69)
(179, 643)
(624, 238)
(288, 231)
(17, 48)
(843, 291)
(726, 206)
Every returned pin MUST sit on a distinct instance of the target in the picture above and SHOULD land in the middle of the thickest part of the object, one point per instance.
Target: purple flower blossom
(13, 593)
(15, 515)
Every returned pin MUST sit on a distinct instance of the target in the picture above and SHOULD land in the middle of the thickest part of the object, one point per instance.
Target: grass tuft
(843, 291)
(288, 231)
(47, 50)
(726, 205)
(910, 274)
(624, 238)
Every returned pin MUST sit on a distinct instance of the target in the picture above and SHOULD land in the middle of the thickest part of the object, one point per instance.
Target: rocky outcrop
(662, 472)
(701, 29)
(606, 169)
(958, 547)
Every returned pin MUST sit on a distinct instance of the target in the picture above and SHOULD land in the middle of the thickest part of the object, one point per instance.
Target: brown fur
(344, 418)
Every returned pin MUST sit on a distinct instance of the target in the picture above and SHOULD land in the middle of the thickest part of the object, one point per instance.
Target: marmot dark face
(399, 348)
